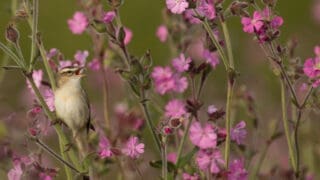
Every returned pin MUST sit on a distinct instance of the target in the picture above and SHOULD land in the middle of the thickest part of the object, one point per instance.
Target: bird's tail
(81, 139)
(83, 147)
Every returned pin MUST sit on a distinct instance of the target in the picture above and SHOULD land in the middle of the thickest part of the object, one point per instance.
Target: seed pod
(12, 34)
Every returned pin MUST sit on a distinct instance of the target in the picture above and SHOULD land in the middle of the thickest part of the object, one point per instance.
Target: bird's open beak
(80, 72)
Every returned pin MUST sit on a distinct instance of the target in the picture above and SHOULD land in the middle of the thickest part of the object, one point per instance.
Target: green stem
(216, 43)
(11, 54)
(148, 119)
(179, 154)
(34, 30)
(164, 158)
(228, 123)
(256, 169)
(228, 43)
(286, 127)
(55, 155)
(5, 61)
(47, 66)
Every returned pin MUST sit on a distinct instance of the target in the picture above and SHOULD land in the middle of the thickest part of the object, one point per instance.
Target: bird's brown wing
(89, 124)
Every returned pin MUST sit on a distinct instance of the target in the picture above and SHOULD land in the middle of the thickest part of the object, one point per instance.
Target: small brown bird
(72, 105)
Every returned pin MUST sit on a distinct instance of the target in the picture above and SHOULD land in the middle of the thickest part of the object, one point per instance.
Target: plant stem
(105, 96)
(164, 158)
(216, 43)
(228, 123)
(55, 155)
(148, 119)
(47, 66)
(228, 43)
(11, 54)
(34, 30)
(286, 127)
(184, 137)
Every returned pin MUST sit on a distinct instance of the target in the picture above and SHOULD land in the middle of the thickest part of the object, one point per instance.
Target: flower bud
(12, 34)
(238, 8)
(270, 3)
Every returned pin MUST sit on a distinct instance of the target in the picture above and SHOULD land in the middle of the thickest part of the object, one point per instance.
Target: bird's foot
(68, 147)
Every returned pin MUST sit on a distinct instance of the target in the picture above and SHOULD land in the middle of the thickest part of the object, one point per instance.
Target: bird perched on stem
(72, 105)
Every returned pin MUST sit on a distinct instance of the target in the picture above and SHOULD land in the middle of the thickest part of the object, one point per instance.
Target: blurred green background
(143, 17)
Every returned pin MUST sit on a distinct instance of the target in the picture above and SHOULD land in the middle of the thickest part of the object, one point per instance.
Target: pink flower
(162, 33)
(63, 64)
(16, 172)
(190, 17)
(238, 133)
(175, 109)
(210, 160)
(37, 78)
(133, 148)
(211, 58)
(177, 6)
(203, 137)
(276, 22)
(44, 176)
(172, 157)
(181, 64)
(109, 16)
(312, 67)
(78, 23)
(254, 24)
(104, 147)
(186, 176)
(237, 170)
(49, 98)
(180, 84)
(94, 65)
(207, 9)
(212, 109)
(52, 53)
(81, 57)
(128, 37)
(163, 79)
(166, 81)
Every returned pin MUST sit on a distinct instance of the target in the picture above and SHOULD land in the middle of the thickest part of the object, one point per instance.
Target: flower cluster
(263, 24)
(132, 148)
(166, 80)
(311, 68)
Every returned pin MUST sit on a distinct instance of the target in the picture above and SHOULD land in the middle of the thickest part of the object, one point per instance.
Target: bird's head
(70, 74)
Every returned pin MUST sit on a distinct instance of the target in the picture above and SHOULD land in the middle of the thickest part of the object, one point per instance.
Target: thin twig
(55, 155)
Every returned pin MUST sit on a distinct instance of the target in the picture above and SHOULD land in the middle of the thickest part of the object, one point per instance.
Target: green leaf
(186, 159)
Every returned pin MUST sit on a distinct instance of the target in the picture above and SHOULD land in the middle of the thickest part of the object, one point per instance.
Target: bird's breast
(71, 108)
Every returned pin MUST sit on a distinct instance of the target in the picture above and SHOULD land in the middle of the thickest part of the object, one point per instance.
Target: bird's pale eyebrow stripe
(68, 69)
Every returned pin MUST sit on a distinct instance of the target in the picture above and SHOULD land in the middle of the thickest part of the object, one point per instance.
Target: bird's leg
(71, 143)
